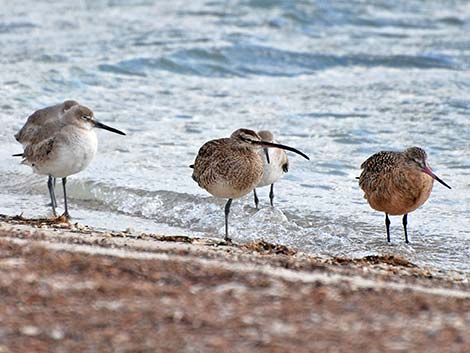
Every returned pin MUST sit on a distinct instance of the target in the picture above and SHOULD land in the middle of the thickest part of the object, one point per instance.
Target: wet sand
(68, 288)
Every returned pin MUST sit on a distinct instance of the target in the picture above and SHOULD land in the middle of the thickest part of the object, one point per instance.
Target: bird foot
(66, 215)
(63, 219)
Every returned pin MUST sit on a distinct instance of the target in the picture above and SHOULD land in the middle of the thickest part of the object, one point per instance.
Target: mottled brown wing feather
(22, 135)
(375, 166)
(34, 153)
(218, 161)
(205, 157)
(379, 160)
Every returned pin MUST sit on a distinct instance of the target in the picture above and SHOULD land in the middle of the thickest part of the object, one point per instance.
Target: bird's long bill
(109, 128)
(428, 171)
(266, 152)
(284, 147)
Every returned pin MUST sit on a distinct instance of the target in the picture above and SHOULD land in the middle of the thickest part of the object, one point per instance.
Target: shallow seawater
(338, 80)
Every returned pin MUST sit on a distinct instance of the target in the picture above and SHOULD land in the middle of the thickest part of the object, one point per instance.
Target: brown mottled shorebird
(29, 132)
(274, 166)
(397, 183)
(59, 147)
(232, 167)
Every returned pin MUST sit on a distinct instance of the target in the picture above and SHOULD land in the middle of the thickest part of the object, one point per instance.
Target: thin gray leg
(54, 182)
(50, 186)
(405, 222)
(387, 224)
(227, 211)
(271, 195)
(256, 198)
(66, 213)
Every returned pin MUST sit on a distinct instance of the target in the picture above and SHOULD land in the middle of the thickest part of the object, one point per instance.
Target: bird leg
(256, 198)
(54, 182)
(227, 211)
(51, 186)
(387, 225)
(66, 213)
(271, 195)
(405, 222)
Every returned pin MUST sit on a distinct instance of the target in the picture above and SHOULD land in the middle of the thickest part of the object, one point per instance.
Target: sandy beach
(68, 288)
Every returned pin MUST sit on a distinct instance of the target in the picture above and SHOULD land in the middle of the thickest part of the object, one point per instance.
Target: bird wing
(39, 152)
(39, 119)
(379, 161)
(212, 161)
(376, 170)
(205, 157)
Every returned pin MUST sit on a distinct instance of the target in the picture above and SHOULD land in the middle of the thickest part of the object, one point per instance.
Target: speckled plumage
(397, 183)
(227, 168)
(394, 183)
(232, 167)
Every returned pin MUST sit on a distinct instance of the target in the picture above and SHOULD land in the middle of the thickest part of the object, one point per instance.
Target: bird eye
(244, 138)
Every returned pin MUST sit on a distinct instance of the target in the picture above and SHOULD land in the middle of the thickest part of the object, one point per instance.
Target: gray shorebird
(60, 147)
(232, 167)
(397, 183)
(275, 164)
(29, 132)
(36, 121)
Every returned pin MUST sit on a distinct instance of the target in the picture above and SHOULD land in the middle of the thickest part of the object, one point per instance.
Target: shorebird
(29, 132)
(397, 183)
(232, 167)
(274, 166)
(60, 147)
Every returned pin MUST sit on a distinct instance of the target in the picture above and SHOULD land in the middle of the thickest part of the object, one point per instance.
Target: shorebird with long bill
(60, 147)
(397, 183)
(35, 122)
(232, 167)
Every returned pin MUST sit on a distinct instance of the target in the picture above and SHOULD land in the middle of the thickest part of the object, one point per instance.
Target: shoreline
(204, 294)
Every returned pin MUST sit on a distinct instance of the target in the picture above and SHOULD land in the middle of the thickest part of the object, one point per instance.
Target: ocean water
(339, 80)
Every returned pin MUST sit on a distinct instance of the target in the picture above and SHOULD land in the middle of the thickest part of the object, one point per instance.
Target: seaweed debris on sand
(67, 287)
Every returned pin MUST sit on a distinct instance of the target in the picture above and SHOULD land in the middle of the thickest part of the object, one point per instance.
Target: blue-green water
(339, 80)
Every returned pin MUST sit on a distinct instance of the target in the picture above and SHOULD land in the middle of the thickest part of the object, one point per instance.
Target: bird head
(249, 138)
(418, 157)
(84, 117)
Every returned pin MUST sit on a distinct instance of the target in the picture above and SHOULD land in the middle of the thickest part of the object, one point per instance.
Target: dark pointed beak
(106, 127)
(284, 147)
(428, 171)
(267, 154)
